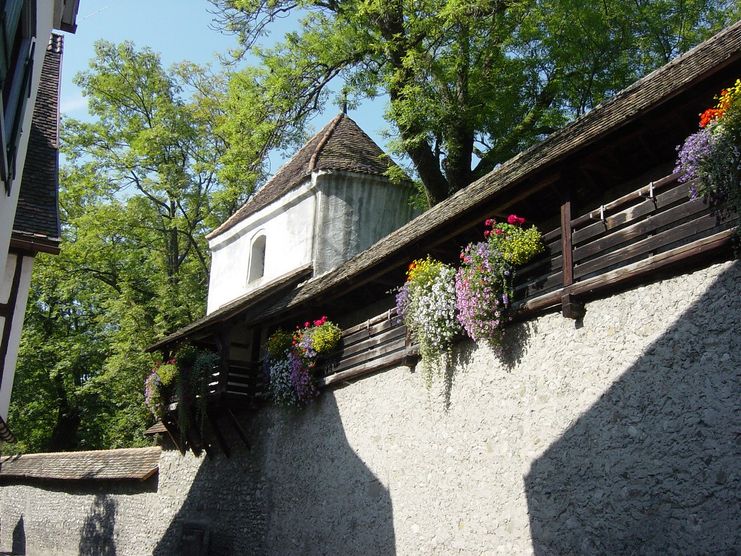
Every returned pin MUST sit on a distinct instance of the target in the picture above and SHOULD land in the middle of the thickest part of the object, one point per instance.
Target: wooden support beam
(570, 307)
(615, 279)
(223, 343)
(240, 431)
(174, 432)
(214, 426)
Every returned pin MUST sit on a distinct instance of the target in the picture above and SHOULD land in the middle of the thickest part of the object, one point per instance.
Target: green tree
(138, 193)
(470, 82)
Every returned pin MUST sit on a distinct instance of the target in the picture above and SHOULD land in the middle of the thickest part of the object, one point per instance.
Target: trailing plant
(484, 281)
(158, 387)
(292, 358)
(710, 159)
(187, 375)
(427, 304)
(204, 365)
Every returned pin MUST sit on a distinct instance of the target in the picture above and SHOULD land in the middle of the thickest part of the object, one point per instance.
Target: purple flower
(696, 148)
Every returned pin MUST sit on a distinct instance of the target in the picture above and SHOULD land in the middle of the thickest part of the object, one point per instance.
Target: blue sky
(178, 30)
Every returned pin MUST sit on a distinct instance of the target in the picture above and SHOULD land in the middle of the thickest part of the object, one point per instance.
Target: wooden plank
(631, 197)
(630, 214)
(652, 243)
(361, 335)
(370, 354)
(552, 235)
(651, 223)
(523, 291)
(213, 425)
(386, 315)
(390, 360)
(633, 272)
(567, 258)
(391, 334)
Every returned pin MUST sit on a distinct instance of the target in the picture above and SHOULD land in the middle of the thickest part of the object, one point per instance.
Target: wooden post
(570, 307)
(223, 341)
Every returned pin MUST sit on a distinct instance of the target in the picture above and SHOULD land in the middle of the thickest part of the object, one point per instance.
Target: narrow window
(257, 259)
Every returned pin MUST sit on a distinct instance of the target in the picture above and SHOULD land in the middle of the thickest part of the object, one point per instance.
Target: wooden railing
(628, 239)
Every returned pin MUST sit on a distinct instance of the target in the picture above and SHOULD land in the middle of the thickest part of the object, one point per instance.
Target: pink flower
(306, 324)
(489, 222)
(512, 219)
(487, 233)
(498, 231)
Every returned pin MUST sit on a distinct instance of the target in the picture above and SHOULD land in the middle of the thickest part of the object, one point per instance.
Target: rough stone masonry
(616, 434)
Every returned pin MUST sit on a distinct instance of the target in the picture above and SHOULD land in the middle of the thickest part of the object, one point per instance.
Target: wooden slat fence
(628, 238)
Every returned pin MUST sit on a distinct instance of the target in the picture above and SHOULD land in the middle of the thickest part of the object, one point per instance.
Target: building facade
(30, 63)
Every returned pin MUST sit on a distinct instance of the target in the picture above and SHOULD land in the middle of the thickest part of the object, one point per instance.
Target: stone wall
(616, 434)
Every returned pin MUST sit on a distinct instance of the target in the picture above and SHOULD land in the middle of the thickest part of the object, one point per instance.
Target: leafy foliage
(469, 82)
(137, 194)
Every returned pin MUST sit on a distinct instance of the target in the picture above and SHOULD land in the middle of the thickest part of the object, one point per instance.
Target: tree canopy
(470, 82)
(138, 192)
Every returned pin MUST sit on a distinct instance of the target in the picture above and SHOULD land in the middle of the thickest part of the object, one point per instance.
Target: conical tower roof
(340, 145)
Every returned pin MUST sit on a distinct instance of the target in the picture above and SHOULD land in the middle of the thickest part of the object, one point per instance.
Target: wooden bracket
(571, 308)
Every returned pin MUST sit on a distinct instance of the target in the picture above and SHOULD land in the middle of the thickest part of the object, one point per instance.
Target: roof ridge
(324, 140)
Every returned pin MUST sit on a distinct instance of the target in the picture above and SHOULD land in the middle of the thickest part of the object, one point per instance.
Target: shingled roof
(649, 93)
(128, 463)
(36, 223)
(341, 145)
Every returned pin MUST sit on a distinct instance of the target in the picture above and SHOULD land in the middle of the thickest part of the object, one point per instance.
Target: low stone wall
(616, 434)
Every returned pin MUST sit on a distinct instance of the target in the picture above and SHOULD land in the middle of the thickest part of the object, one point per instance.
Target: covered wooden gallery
(602, 190)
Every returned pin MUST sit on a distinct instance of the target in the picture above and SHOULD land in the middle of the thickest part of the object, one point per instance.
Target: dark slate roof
(37, 215)
(341, 145)
(127, 463)
(649, 93)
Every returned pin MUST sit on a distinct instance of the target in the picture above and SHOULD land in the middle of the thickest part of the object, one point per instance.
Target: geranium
(292, 359)
(483, 289)
(712, 156)
(483, 283)
(517, 245)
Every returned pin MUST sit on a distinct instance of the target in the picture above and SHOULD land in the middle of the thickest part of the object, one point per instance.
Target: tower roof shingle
(341, 146)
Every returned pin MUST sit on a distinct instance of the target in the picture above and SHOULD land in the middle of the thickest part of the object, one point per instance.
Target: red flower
(489, 222)
(709, 116)
(498, 231)
(487, 233)
(306, 324)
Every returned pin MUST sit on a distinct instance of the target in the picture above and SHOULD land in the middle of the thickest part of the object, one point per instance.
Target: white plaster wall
(44, 17)
(326, 221)
(354, 212)
(287, 225)
(15, 335)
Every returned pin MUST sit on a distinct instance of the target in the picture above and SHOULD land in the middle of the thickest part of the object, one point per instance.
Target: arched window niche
(257, 258)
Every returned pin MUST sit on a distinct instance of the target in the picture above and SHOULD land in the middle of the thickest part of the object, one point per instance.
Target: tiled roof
(127, 463)
(37, 216)
(341, 145)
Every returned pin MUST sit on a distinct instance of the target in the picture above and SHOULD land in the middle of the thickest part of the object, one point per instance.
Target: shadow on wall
(654, 466)
(96, 535)
(18, 545)
(300, 489)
